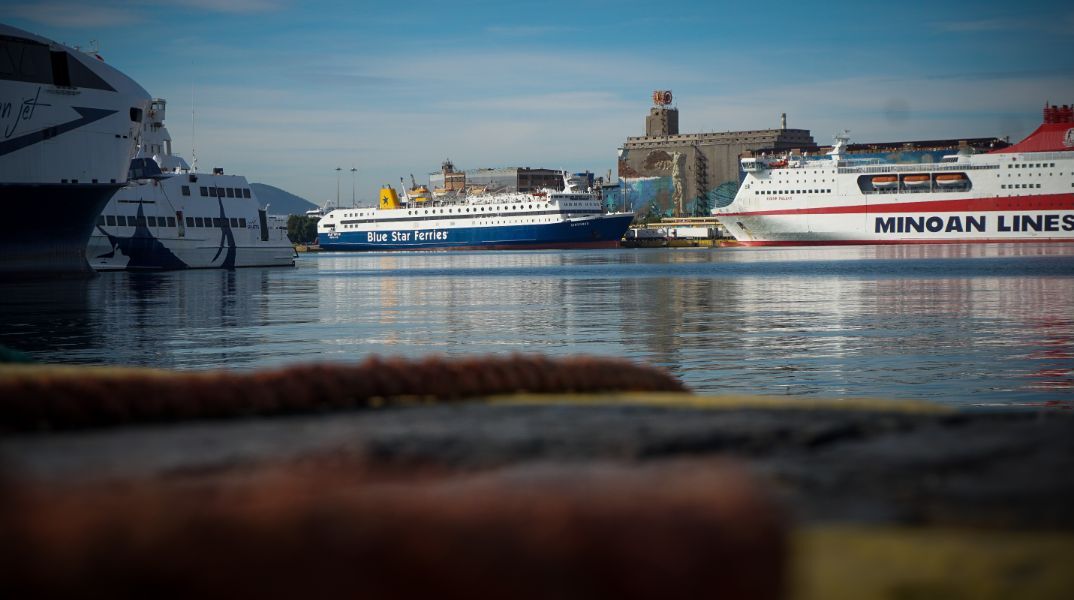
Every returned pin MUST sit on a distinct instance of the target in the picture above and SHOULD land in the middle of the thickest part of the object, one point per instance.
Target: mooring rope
(34, 398)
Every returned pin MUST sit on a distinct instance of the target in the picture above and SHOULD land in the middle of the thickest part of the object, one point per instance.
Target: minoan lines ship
(68, 126)
(546, 219)
(1022, 193)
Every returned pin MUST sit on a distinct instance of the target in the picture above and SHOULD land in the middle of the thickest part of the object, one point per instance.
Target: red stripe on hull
(897, 242)
(1012, 203)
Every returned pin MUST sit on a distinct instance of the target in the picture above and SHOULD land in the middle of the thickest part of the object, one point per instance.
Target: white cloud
(1055, 24)
(231, 6)
(977, 25)
(75, 14)
(528, 30)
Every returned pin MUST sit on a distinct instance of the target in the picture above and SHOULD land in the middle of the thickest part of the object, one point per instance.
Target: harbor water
(968, 325)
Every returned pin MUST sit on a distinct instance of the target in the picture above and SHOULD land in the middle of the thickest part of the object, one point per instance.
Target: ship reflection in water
(983, 324)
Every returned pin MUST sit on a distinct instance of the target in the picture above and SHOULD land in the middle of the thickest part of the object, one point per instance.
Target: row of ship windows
(1019, 186)
(784, 192)
(1030, 165)
(143, 221)
(418, 217)
(219, 192)
(461, 211)
(482, 208)
(474, 223)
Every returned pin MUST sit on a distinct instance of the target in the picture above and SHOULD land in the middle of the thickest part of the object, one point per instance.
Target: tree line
(301, 229)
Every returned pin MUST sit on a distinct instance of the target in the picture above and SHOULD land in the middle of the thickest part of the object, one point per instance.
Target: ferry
(1021, 193)
(69, 124)
(169, 216)
(572, 218)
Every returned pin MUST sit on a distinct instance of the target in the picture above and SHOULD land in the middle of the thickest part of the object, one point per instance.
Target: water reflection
(965, 324)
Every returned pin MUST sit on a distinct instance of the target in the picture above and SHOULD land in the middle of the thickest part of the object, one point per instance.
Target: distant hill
(281, 202)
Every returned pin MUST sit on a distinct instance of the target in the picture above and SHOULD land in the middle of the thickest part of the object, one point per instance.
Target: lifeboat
(915, 180)
(951, 179)
(779, 164)
(883, 182)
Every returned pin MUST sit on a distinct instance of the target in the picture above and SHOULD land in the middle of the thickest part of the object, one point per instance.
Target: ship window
(218, 222)
(140, 221)
(171, 221)
(25, 60)
(121, 220)
(60, 74)
(242, 222)
(230, 192)
(83, 77)
(199, 222)
(190, 221)
(152, 221)
(234, 222)
(186, 190)
(100, 219)
(204, 191)
(245, 192)
(111, 220)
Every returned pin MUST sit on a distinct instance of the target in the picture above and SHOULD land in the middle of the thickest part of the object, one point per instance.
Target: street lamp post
(354, 184)
(338, 170)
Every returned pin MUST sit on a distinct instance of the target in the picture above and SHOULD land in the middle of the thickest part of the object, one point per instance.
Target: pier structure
(666, 173)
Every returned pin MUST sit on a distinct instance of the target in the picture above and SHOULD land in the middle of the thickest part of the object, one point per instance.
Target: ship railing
(1052, 156)
(931, 167)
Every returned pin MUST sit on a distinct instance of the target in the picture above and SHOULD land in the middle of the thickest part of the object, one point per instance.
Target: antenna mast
(193, 150)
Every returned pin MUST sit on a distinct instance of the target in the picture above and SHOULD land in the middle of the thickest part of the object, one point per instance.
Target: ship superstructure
(1021, 193)
(572, 218)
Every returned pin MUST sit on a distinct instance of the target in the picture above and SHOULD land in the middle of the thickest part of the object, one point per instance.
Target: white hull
(916, 227)
(196, 254)
(152, 225)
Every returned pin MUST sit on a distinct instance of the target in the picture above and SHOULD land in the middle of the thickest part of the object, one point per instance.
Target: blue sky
(285, 92)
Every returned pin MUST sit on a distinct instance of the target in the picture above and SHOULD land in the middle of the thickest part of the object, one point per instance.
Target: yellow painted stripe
(724, 402)
(893, 562)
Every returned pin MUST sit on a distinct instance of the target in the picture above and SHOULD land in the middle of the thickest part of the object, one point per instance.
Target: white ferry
(571, 218)
(171, 217)
(1022, 193)
(69, 124)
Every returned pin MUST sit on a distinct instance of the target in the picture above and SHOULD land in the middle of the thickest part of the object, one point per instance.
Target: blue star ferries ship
(571, 218)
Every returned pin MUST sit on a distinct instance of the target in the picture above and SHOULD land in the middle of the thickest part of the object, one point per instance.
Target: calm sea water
(982, 324)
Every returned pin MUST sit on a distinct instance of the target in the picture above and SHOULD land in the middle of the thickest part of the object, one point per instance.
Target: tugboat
(69, 124)
(171, 217)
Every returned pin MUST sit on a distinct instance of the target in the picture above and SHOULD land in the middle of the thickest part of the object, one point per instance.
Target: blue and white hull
(601, 231)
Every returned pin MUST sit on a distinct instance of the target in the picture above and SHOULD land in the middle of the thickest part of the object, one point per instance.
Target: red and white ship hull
(1024, 193)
